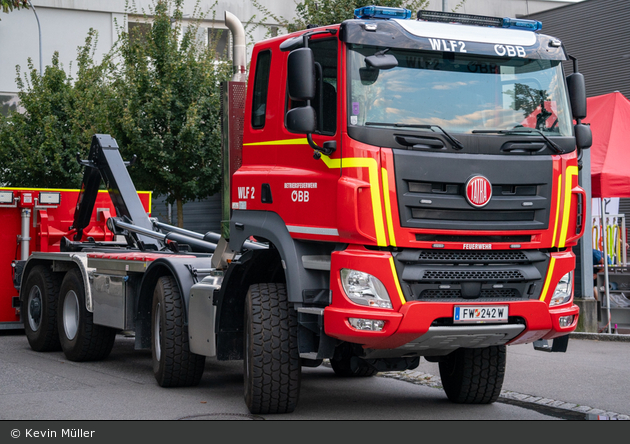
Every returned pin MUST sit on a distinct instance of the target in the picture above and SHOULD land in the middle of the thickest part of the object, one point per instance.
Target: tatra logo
(478, 191)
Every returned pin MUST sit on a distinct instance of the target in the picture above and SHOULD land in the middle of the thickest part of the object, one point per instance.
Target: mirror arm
(575, 63)
(330, 146)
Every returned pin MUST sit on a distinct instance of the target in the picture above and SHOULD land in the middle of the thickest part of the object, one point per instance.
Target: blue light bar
(381, 12)
(479, 20)
(526, 25)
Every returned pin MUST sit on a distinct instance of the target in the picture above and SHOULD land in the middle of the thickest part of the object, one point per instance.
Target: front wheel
(271, 356)
(474, 375)
(81, 339)
(174, 365)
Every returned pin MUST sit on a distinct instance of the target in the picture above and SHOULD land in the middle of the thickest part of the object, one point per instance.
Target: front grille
(469, 256)
(464, 275)
(431, 190)
(472, 216)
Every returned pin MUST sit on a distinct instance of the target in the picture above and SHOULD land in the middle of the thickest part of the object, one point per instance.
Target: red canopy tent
(609, 117)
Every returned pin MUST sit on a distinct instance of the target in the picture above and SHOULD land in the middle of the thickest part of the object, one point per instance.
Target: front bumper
(425, 328)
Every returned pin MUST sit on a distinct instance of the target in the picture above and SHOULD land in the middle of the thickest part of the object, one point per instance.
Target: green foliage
(38, 147)
(158, 96)
(328, 12)
(167, 105)
(9, 5)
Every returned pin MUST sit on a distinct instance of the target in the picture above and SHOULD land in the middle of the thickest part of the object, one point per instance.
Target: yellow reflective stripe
(377, 210)
(552, 262)
(150, 198)
(302, 141)
(388, 209)
(369, 163)
(555, 225)
(150, 193)
(400, 293)
(571, 171)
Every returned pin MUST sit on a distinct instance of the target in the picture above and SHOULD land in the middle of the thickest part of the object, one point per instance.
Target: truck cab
(419, 181)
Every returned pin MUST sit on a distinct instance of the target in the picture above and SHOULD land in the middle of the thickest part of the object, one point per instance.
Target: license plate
(480, 314)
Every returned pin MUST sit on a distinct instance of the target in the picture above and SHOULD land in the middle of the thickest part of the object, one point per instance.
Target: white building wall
(65, 24)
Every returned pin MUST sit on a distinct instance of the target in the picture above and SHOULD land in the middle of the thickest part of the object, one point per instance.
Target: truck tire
(345, 364)
(40, 309)
(81, 339)
(174, 365)
(474, 375)
(271, 357)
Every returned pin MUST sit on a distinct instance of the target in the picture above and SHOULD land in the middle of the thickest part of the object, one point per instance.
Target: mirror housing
(381, 61)
(301, 74)
(301, 120)
(583, 136)
(577, 95)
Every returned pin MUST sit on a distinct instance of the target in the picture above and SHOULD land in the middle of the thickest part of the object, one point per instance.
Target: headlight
(564, 290)
(364, 289)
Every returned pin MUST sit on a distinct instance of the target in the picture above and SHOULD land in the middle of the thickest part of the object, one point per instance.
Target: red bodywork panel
(48, 225)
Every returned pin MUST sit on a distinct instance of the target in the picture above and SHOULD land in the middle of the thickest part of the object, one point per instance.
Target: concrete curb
(552, 407)
(600, 336)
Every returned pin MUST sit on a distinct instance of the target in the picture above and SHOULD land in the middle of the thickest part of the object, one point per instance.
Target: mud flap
(558, 345)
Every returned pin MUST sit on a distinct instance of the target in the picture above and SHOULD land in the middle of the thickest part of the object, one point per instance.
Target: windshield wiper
(523, 129)
(456, 143)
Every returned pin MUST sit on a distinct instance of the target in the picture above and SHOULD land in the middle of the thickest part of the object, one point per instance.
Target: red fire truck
(395, 189)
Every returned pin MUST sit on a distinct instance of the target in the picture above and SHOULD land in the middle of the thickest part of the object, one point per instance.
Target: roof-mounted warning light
(381, 12)
(479, 20)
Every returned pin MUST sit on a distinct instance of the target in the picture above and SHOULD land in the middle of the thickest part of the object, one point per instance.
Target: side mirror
(301, 120)
(577, 95)
(583, 136)
(301, 74)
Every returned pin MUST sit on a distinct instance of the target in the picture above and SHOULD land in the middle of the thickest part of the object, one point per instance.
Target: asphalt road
(591, 378)
(45, 386)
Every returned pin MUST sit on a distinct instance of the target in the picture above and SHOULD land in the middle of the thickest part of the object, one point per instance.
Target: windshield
(459, 93)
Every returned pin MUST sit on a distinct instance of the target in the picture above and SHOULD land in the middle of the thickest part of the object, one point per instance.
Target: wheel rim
(34, 312)
(157, 333)
(71, 314)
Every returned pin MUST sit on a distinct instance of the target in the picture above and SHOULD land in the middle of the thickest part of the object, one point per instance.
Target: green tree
(166, 108)
(328, 12)
(9, 5)
(38, 147)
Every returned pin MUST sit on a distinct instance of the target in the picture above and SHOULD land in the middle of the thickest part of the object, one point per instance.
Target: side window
(325, 102)
(261, 86)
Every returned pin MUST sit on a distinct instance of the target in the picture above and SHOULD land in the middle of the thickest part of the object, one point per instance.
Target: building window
(261, 85)
(219, 40)
(139, 32)
(9, 102)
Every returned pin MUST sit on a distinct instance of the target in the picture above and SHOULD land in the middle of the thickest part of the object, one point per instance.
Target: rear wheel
(174, 365)
(474, 375)
(40, 309)
(345, 363)
(81, 339)
(271, 356)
